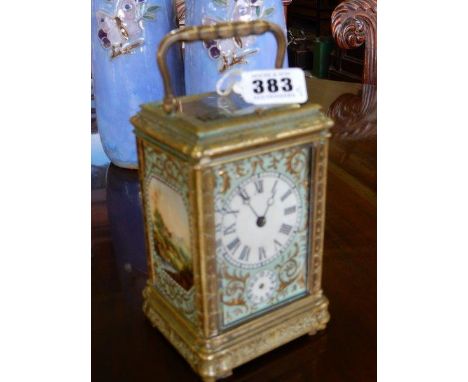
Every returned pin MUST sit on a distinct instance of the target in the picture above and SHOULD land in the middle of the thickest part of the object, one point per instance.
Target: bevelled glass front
(262, 231)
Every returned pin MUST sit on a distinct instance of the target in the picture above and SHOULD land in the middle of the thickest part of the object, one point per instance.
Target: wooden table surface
(125, 347)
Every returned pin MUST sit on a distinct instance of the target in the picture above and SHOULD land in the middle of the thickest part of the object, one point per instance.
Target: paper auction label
(275, 86)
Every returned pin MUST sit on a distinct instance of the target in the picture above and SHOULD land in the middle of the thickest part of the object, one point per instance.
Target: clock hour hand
(246, 200)
(251, 208)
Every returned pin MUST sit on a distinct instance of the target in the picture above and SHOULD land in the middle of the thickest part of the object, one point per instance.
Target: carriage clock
(234, 205)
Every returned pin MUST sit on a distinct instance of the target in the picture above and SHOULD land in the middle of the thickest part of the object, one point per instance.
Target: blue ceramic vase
(206, 62)
(125, 37)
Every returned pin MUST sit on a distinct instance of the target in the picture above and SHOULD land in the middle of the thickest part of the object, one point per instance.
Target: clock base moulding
(215, 357)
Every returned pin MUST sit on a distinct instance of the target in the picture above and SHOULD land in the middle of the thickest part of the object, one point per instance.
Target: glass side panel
(168, 224)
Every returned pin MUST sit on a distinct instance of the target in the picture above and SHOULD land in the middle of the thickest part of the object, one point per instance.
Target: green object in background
(322, 49)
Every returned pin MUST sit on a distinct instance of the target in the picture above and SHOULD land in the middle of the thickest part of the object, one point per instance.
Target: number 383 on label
(276, 86)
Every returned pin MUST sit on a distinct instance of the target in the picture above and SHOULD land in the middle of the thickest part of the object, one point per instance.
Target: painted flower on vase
(234, 51)
(122, 31)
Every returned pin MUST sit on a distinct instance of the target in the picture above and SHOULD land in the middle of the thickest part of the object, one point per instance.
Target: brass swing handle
(214, 32)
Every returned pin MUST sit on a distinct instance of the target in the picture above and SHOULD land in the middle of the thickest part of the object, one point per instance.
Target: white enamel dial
(262, 287)
(258, 220)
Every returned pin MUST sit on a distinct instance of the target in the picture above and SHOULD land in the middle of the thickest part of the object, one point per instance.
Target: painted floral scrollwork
(268, 162)
(290, 270)
(180, 298)
(226, 181)
(172, 169)
(166, 167)
(233, 293)
(296, 162)
(289, 267)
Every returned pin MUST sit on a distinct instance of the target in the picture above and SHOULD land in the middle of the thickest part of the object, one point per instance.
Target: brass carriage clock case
(234, 205)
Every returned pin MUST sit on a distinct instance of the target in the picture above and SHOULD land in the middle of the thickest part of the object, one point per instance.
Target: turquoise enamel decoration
(262, 210)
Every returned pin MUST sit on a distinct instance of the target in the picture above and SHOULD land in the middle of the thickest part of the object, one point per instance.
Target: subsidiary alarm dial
(262, 287)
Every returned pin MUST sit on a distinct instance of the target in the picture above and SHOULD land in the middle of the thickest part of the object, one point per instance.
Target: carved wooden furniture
(355, 115)
(353, 23)
(285, 5)
(352, 106)
(180, 12)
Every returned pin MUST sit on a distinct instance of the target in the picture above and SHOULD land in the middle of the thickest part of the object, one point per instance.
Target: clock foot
(217, 378)
(312, 332)
(225, 375)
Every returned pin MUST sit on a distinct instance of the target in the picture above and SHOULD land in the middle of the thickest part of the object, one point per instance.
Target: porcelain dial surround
(259, 220)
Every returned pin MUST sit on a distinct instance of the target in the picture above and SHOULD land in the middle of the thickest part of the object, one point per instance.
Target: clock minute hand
(271, 199)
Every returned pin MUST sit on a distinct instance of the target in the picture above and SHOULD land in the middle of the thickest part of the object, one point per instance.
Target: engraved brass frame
(210, 351)
(213, 353)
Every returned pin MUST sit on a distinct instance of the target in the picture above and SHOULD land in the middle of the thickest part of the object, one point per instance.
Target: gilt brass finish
(210, 352)
(197, 143)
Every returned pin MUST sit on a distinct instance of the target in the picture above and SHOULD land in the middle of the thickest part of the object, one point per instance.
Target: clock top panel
(262, 232)
(210, 125)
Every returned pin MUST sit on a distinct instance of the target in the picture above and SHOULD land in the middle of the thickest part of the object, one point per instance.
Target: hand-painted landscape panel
(171, 232)
(168, 217)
